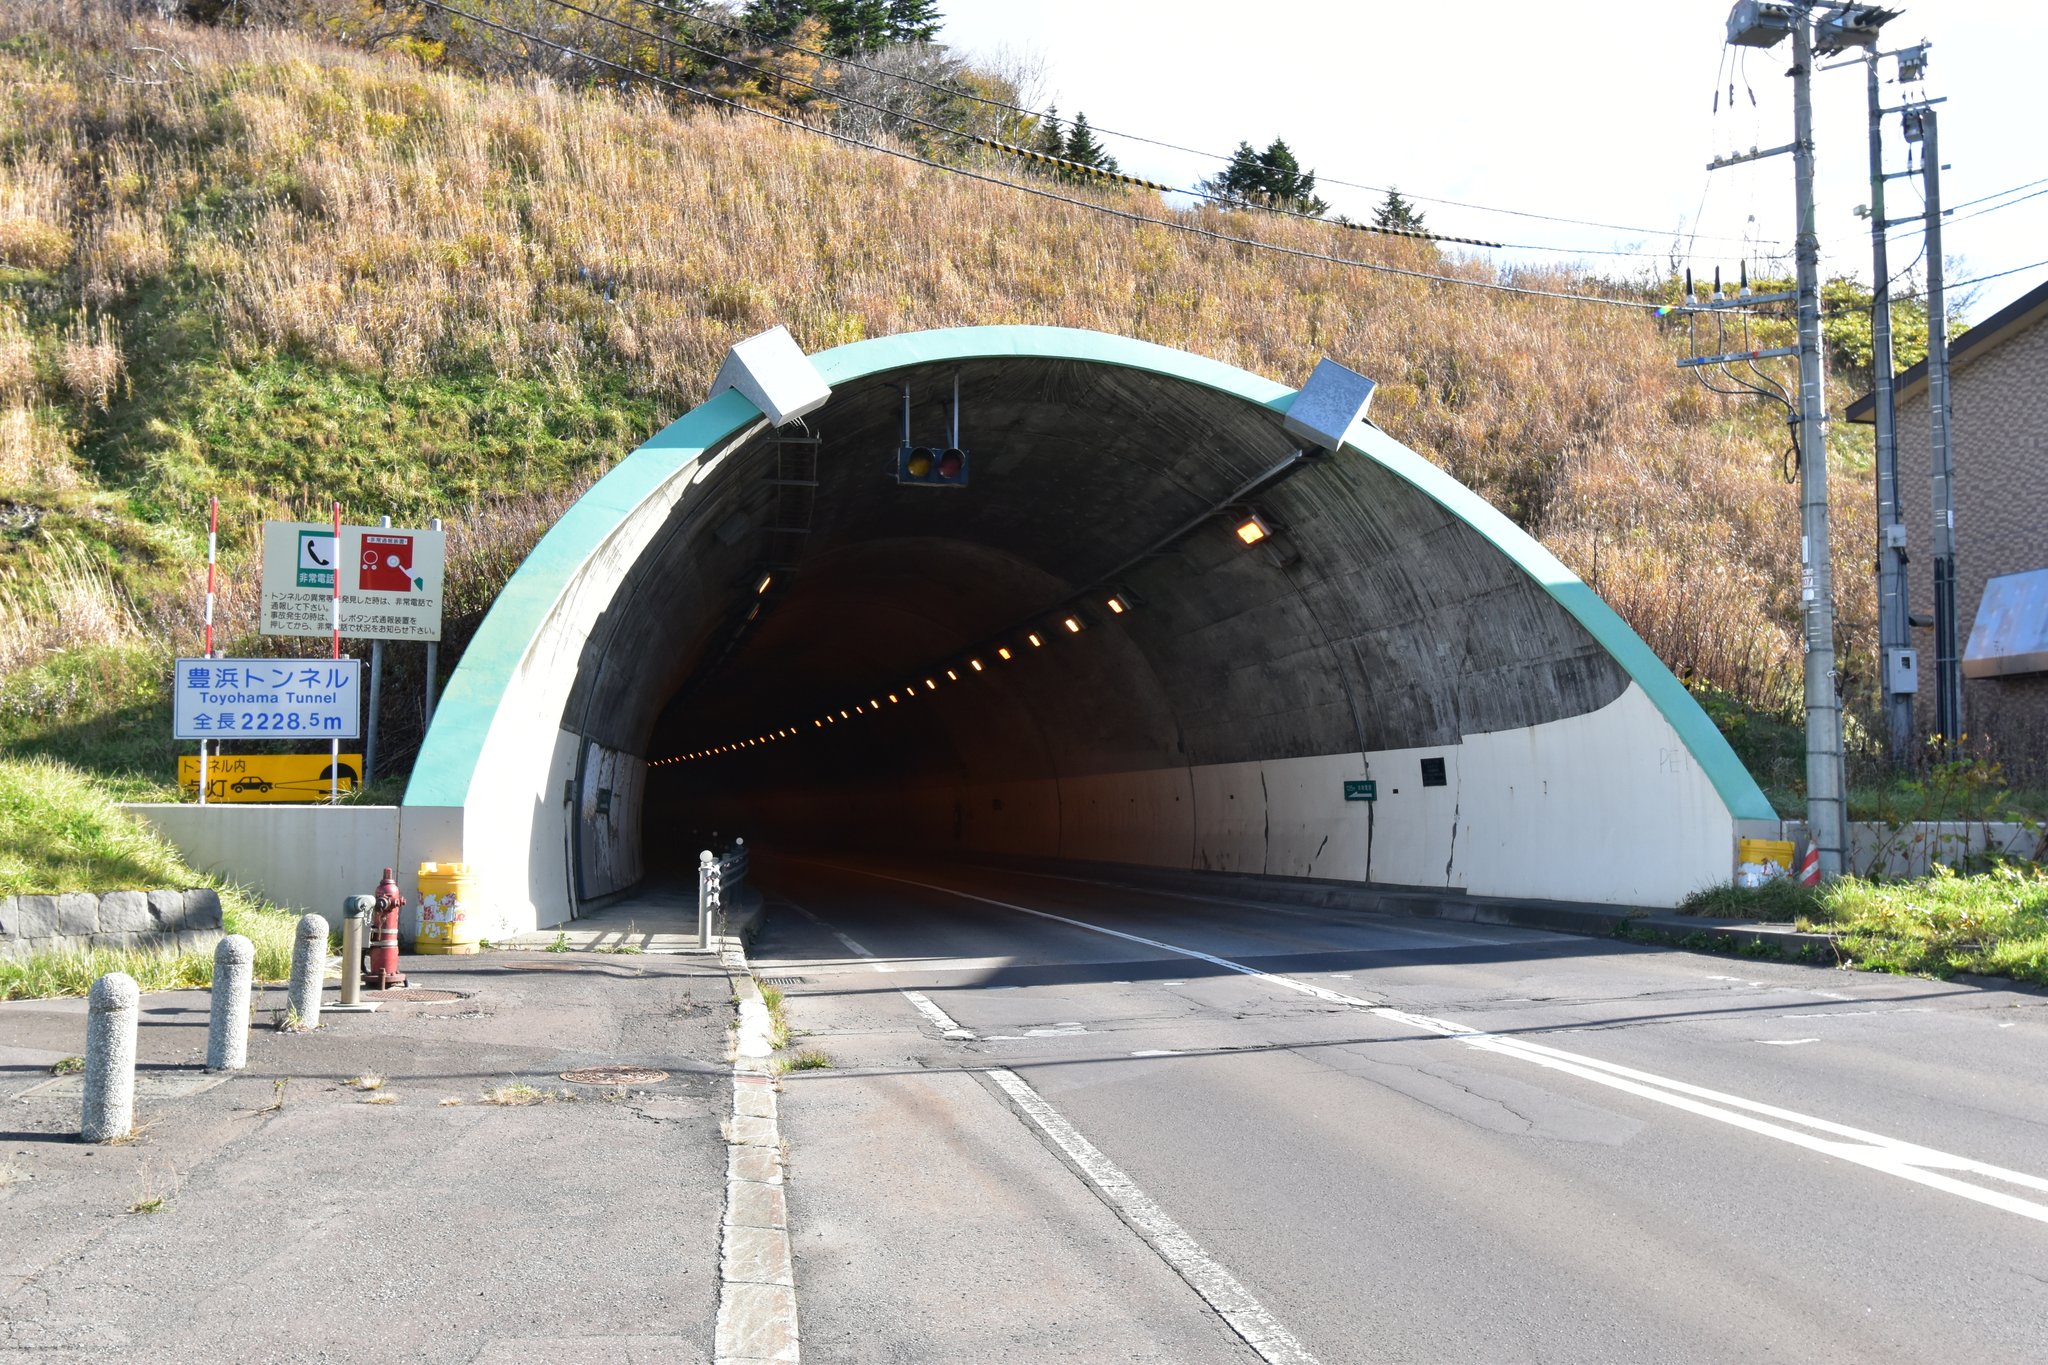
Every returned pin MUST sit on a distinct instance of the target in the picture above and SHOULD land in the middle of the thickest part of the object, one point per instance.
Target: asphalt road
(1637, 1154)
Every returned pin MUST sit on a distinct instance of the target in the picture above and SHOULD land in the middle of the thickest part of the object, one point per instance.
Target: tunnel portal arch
(1395, 628)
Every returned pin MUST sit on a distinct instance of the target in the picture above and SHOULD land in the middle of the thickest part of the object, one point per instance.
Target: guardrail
(719, 878)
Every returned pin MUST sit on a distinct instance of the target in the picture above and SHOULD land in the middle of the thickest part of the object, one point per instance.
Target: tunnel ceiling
(1375, 620)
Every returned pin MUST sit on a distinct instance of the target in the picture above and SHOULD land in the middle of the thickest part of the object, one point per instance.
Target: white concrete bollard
(227, 1032)
(309, 970)
(111, 1011)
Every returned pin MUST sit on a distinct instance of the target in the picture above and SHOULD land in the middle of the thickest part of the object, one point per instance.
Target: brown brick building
(1998, 384)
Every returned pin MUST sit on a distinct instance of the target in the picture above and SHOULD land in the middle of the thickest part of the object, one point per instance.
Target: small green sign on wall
(1362, 791)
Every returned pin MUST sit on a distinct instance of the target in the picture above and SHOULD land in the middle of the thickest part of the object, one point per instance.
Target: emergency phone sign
(390, 585)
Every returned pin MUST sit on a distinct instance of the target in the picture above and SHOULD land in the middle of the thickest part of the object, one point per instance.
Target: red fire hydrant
(382, 972)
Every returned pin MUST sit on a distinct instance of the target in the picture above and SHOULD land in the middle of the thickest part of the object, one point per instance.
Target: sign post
(212, 557)
(334, 747)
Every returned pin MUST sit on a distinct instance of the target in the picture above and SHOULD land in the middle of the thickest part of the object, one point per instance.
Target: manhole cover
(615, 1075)
(401, 995)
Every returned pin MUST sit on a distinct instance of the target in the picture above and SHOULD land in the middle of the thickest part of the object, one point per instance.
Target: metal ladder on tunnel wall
(796, 502)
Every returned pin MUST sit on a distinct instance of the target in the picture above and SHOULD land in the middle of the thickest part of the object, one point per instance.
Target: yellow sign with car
(270, 778)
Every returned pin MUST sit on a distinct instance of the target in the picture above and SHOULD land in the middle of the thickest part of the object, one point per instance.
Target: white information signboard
(390, 580)
(267, 698)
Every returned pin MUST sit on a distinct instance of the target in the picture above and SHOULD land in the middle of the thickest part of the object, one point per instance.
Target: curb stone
(757, 1320)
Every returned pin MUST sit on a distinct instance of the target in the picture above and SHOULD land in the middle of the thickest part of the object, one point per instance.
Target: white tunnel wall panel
(1414, 827)
(1146, 817)
(1230, 816)
(1609, 807)
(1308, 834)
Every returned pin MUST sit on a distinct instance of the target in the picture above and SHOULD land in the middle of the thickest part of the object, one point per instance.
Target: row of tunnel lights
(1072, 623)
(1249, 531)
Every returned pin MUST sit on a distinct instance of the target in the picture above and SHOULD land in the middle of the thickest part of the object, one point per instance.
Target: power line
(2000, 194)
(1188, 229)
(958, 93)
(1011, 148)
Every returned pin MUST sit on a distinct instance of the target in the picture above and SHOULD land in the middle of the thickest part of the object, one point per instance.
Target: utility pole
(1948, 664)
(1899, 678)
(1765, 24)
(1826, 797)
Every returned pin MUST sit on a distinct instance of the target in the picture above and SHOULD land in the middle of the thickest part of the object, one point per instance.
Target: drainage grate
(785, 980)
(411, 995)
(615, 1075)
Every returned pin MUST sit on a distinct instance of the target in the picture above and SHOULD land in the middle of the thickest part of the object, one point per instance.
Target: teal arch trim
(454, 745)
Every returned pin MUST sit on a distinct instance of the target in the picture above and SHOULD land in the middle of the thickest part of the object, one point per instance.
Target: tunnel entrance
(1156, 626)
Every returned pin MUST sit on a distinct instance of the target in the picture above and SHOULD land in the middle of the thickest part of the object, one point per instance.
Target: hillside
(256, 265)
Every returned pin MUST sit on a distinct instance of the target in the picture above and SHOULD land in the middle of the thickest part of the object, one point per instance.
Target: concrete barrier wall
(1910, 850)
(299, 857)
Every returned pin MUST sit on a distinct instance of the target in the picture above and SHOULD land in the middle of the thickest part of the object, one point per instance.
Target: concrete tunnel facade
(1522, 739)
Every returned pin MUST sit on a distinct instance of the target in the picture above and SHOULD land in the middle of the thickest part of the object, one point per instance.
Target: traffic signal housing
(931, 466)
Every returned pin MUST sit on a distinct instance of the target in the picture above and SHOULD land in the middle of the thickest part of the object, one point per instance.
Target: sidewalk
(304, 1218)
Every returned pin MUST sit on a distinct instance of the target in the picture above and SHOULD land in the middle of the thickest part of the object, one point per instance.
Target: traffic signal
(931, 466)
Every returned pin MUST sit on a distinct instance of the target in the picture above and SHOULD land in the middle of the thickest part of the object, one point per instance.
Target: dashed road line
(949, 1028)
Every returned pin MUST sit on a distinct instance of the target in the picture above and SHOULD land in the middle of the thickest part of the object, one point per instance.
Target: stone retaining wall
(79, 920)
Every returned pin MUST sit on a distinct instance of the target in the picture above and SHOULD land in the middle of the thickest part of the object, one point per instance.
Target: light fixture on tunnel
(930, 685)
(1117, 603)
(895, 700)
(1253, 529)
(767, 581)
(1072, 623)
(974, 664)
(1003, 653)
(951, 676)
(1037, 642)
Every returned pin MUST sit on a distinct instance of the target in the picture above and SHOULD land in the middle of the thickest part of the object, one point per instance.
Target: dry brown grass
(60, 599)
(91, 361)
(405, 222)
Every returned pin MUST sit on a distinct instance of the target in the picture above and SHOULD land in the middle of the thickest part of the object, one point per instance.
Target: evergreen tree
(1048, 138)
(1396, 212)
(857, 26)
(1082, 148)
(1270, 179)
(1239, 179)
(775, 18)
(914, 21)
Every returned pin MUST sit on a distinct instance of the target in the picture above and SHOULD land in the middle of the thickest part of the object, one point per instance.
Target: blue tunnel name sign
(267, 698)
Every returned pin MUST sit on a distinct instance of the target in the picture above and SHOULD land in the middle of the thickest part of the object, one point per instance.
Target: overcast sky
(1598, 111)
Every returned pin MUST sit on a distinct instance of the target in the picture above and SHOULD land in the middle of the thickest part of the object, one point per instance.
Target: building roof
(2009, 321)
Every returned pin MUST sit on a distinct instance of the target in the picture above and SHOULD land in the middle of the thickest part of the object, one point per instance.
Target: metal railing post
(709, 886)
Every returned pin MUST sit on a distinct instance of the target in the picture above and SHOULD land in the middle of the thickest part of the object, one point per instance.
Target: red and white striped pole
(212, 558)
(334, 745)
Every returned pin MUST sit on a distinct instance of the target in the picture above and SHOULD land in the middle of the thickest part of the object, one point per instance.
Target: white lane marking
(1786, 1042)
(1156, 1052)
(1906, 1160)
(948, 1028)
(1067, 1030)
(1231, 1300)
